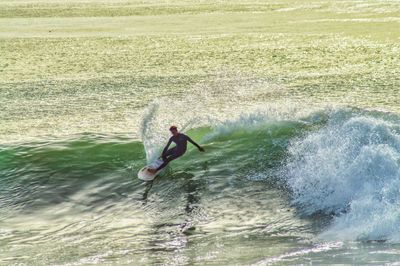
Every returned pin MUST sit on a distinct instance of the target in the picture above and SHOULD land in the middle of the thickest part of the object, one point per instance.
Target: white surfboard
(145, 175)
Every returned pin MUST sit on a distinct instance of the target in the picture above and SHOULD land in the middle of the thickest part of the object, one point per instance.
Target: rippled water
(296, 104)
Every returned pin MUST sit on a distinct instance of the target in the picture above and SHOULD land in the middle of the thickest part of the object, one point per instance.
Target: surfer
(180, 141)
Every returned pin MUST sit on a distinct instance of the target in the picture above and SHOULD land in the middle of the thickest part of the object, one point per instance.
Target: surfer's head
(174, 130)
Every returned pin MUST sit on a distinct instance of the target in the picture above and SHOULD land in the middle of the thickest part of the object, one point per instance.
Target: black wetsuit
(181, 144)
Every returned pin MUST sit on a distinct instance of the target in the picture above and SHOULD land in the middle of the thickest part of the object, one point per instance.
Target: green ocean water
(295, 102)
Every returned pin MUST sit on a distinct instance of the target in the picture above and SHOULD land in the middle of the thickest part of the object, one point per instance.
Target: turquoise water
(295, 102)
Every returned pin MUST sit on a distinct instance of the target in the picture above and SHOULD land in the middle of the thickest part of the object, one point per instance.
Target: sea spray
(216, 103)
(350, 169)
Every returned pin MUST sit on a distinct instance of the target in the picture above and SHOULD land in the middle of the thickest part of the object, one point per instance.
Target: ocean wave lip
(350, 169)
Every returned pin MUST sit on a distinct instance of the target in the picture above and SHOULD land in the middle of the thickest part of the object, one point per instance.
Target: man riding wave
(180, 141)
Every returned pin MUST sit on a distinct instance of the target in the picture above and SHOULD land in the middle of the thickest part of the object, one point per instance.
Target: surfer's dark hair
(173, 128)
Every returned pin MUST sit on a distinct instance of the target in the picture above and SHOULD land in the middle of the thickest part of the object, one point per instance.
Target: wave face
(330, 176)
(34, 176)
(350, 169)
(79, 198)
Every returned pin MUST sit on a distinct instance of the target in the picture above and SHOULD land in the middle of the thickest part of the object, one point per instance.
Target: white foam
(350, 169)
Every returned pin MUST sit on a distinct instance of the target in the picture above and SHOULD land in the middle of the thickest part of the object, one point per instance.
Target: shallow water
(296, 104)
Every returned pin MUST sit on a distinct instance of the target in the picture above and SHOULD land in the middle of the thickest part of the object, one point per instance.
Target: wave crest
(350, 169)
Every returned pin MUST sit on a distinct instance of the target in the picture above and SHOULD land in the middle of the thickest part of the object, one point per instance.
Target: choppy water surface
(296, 104)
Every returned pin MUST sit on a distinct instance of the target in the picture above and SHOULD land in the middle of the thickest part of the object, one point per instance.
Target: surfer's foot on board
(153, 171)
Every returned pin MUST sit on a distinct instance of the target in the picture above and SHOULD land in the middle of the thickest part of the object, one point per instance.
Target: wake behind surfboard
(145, 175)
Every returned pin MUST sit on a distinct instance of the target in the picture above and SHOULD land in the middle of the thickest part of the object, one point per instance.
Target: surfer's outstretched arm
(195, 144)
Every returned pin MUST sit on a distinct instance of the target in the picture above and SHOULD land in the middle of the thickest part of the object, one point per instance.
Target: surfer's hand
(201, 149)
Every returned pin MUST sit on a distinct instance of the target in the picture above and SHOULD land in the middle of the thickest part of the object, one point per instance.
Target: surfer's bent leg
(168, 153)
(168, 159)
